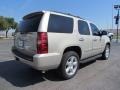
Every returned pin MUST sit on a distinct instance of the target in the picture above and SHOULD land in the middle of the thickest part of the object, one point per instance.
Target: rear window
(30, 24)
(60, 24)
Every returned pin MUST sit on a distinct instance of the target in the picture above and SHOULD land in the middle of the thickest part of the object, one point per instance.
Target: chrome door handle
(81, 39)
(94, 39)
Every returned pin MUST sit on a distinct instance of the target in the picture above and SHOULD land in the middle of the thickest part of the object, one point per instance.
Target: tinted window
(95, 30)
(83, 28)
(30, 24)
(60, 24)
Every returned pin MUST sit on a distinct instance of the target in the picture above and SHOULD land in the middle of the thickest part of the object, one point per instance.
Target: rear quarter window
(60, 24)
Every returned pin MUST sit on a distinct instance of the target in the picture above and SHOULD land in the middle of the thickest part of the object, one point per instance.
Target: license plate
(21, 43)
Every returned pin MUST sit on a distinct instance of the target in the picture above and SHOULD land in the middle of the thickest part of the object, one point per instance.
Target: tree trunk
(7, 33)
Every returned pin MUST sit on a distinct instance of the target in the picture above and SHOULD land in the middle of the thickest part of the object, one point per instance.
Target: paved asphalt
(98, 75)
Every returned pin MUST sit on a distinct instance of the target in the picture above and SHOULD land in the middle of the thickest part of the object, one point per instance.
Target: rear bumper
(42, 61)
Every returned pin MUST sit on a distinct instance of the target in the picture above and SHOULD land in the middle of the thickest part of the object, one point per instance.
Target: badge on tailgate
(21, 43)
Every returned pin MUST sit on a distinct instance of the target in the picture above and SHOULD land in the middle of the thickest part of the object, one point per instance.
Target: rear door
(60, 29)
(85, 39)
(26, 34)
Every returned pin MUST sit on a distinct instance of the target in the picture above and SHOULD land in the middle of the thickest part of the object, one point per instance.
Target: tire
(106, 53)
(111, 37)
(69, 65)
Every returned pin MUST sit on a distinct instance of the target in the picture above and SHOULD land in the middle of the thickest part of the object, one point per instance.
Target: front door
(96, 39)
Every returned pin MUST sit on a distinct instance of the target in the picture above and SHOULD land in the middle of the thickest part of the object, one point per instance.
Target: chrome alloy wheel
(71, 65)
(107, 52)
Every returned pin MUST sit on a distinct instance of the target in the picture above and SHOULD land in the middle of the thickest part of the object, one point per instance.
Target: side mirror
(97, 33)
(104, 32)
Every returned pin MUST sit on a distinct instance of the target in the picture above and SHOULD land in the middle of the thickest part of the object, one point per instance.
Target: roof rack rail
(67, 14)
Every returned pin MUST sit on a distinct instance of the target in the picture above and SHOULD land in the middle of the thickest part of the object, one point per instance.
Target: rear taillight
(42, 43)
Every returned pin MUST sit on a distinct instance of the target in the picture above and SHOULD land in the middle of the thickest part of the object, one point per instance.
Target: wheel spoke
(68, 63)
(71, 70)
(72, 59)
(74, 63)
(68, 69)
(107, 52)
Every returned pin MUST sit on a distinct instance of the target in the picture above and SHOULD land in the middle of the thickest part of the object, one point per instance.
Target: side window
(83, 28)
(94, 29)
(60, 24)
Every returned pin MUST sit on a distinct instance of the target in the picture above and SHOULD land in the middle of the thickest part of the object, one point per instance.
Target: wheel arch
(77, 49)
(108, 43)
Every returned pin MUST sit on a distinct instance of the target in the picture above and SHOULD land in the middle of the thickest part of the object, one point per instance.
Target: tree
(7, 23)
(14, 26)
(3, 23)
